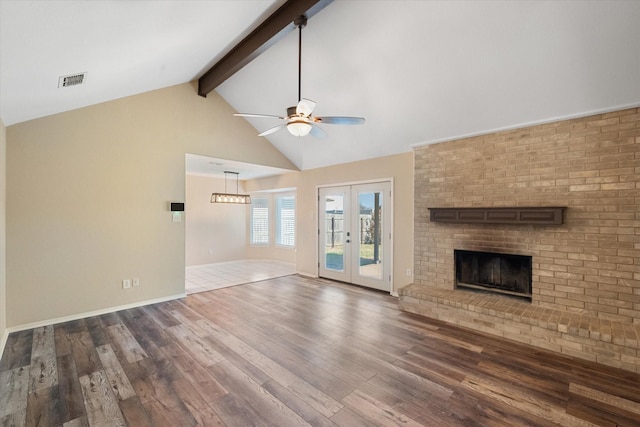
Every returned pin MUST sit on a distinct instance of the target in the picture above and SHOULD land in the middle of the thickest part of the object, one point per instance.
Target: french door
(355, 234)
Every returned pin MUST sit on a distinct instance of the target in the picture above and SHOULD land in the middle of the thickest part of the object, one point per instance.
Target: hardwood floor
(292, 352)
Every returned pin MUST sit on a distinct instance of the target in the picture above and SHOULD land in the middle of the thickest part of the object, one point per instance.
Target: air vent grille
(71, 80)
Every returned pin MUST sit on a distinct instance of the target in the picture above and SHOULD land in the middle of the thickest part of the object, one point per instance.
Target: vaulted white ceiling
(418, 71)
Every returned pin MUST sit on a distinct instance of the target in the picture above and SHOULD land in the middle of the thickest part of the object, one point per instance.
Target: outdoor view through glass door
(355, 234)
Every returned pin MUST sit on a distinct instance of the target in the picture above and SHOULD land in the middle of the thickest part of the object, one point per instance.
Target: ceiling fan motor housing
(300, 21)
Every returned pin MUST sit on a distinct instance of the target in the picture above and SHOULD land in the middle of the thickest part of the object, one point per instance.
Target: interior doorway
(354, 232)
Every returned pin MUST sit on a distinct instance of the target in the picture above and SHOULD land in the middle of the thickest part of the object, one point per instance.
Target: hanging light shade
(243, 199)
(299, 127)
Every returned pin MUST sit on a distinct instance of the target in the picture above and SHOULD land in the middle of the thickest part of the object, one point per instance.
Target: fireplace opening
(506, 274)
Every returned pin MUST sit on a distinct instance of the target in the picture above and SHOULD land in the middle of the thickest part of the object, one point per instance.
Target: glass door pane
(334, 232)
(370, 234)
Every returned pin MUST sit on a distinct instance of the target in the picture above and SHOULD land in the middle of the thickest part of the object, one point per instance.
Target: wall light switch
(176, 216)
(136, 282)
(126, 283)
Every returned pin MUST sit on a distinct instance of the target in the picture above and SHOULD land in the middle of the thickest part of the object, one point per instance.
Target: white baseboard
(82, 316)
(305, 274)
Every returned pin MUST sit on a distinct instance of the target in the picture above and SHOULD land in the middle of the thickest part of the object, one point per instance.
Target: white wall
(88, 193)
(215, 232)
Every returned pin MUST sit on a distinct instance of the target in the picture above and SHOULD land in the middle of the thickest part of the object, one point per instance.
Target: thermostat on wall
(177, 207)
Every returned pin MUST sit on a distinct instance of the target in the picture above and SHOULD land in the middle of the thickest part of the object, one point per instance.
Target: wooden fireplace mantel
(543, 215)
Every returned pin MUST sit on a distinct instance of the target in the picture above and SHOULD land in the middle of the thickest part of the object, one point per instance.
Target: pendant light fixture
(242, 199)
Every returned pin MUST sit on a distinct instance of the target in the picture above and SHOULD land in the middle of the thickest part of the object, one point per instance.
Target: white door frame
(389, 213)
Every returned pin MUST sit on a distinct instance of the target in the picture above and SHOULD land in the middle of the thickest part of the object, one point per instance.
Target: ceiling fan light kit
(299, 121)
(298, 128)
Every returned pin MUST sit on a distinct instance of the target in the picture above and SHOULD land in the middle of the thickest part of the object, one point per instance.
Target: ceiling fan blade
(268, 116)
(340, 120)
(305, 107)
(317, 132)
(272, 130)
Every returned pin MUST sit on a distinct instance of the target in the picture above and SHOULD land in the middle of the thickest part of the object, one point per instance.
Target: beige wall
(399, 167)
(215, 232)
(88, 193)
(3, 204)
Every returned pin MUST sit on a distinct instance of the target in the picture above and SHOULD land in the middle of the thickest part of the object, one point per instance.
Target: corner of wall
(3, 233)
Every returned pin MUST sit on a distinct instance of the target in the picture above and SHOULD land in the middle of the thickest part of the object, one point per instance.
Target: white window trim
(276, 219)
(269, 220)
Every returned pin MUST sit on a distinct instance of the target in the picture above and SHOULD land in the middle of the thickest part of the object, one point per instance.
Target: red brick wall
(591, 264)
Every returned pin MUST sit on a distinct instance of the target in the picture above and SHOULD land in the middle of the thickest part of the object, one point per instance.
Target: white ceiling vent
(72, 80)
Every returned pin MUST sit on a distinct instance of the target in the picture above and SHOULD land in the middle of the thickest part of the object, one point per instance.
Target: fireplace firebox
(506, 274)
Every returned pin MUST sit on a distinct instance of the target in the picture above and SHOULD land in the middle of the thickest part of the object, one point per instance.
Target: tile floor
(200, 278)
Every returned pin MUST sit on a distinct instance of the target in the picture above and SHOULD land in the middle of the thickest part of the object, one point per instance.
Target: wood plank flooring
(295, 351)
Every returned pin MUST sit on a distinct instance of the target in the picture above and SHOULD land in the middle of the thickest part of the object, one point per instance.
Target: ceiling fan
(299, 120)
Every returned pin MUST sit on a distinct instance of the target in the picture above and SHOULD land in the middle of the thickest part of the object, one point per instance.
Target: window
(286, 220)
(259, 221)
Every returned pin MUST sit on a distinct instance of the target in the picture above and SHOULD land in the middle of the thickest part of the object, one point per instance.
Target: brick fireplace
(585, 273)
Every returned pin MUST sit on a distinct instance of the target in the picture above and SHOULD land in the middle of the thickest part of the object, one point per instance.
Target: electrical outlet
(408, 272)
(126, 283)
(136, 282)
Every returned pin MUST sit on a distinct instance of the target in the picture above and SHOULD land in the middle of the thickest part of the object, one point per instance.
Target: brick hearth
(587, 337)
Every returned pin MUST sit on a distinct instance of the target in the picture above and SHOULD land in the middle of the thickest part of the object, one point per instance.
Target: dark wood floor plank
(45, 408)
(297, 351)
(601, 414)
(235, 412)
(159, 315)
(84, 353)
(197, 402)
(297, 404)
(17, 350)
(120, 385)
(323, 380)
(134, 413)
(376, 411)
(101, 405)
(95, 330)
(121, 337)
(70, 390)
(77, 422)
(202, 351)
(312, 396)
(149, 335)
(198, 377)
(163, 416)
(13, 393)
(271, 410)
(348, 418)
(152, 381)
(44, 365)
(555, 413)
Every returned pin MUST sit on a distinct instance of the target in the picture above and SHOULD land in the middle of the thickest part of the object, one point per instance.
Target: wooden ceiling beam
(274, 28)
